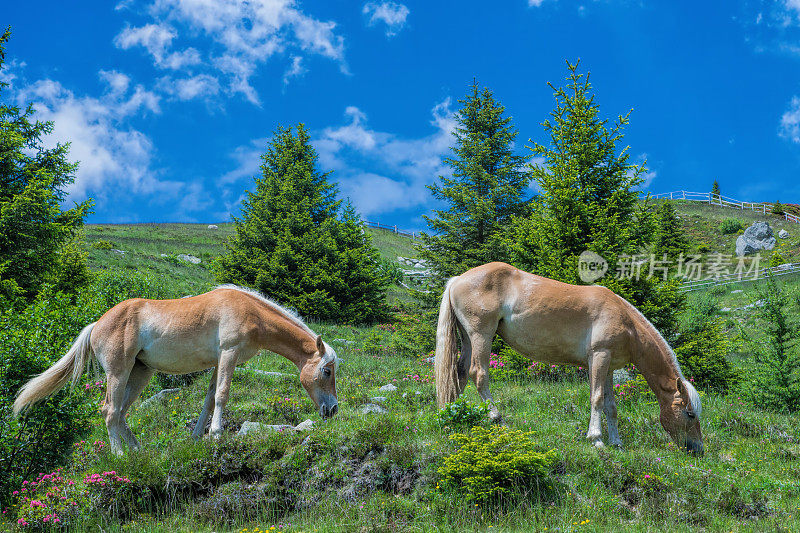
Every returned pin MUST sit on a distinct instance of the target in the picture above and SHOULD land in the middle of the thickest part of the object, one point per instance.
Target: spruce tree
(777, 208)
(588, 201)
(486, 190)
(670, 239)
(715, 194)
(292, 245)
(36, 234)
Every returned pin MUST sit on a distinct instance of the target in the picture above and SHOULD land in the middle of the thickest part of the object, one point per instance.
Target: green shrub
(774, 377)
(103, 245)
(730, 225)
(777, 209)
(702, 347)
(634, 390)
(497, 462)
(462, 414)
(391, 270)
(553, 373)
(776, 259)
(415, 332)
(50, 501)
(703, 248)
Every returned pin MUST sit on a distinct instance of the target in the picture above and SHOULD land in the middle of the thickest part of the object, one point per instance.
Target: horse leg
(200, 427)
(227, 364)
(464, 361)
(139, 378)
(479, 370)
(598, 372)
(116, 383)
(610, 409)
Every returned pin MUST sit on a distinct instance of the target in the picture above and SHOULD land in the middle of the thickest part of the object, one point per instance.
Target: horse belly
(546, 343)
(180, 354)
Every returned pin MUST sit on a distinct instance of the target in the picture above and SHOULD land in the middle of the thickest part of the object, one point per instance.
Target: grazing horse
(219, 329)
(555, 322)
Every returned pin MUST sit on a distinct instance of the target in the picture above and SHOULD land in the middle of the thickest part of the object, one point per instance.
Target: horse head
(681, 418)
(318, 376)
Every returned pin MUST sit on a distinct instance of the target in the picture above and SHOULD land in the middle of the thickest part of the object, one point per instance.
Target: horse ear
(320, 345)
(682, 388)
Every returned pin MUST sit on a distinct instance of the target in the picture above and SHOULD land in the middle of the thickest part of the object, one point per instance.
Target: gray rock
(190, 259)
(161, 395)
(257, 427)
(120, 252)
(725, 310)
(343, 341)
(213, 226)
(388, 388)
(379, 399)
(304, 425)
(737, 291)
(783, 234)
(755, 238)
(372, 408)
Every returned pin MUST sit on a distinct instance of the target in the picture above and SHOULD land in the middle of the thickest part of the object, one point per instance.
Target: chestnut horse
(558, 323)
(219, 329)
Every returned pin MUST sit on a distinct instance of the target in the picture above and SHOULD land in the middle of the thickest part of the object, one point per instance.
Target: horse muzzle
(695, 447)
(328, 410)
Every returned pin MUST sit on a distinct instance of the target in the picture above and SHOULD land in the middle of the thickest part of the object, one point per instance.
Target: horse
(559, 323)
(221, 329)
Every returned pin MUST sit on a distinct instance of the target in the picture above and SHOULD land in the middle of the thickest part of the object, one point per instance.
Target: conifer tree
(486, 190)
(588, 201)
(777, 208)
(36, 234)
(670, 239)
(715, 194)
(292, 245)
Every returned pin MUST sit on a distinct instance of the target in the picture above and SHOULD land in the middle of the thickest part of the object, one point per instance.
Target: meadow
(383, 471)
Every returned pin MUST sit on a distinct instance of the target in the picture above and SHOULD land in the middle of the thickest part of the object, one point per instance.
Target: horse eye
(690, 414)
(327, 372)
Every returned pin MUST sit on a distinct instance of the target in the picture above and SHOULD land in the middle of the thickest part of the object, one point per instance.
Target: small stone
(190, 259)
(304, 425)
(256, 427)
(158, 396)
(388, 388)
(372, 408)
(343, 341)
(120, 252)
(783, 234)
(737, 291)
(725, 310)
(213, 226)
(379, 399)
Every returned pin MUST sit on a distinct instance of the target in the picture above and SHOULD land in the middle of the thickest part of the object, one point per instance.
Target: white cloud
(295, 70)
(790, 121)
(238, 36)
(390, 13)
(200, 86)
(535, 3)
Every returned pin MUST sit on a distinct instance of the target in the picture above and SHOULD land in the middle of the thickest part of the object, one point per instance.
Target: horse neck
(287, 338)
(656, 362)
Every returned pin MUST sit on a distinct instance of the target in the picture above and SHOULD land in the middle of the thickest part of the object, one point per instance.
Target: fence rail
(393, 229)
(780, 270)
(723, 201)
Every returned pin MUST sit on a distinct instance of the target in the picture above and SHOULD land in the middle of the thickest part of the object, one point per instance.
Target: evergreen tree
(292, 245)
(777, 208)
(486, 190)
(715, 194)
(35, 233)
(670, 239)
(588, 201)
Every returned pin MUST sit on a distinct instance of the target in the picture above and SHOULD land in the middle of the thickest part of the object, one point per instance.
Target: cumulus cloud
(392, 14)
(295, 70)
(790, 121)
(200, 86)
(238, 36)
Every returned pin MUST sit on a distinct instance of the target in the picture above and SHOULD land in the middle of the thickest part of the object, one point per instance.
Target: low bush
(462, 414)
(498, 462)
(730, 225)
(634, 390)
(552, 373)
(50, 501)
(103, 245)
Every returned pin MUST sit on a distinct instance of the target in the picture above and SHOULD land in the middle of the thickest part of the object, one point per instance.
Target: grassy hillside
(380, 471)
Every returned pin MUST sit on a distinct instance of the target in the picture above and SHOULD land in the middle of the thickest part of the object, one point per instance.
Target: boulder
(213, 226)
(190, 259)
(304, 425)
(755, 238)
(378, 399)
(783, 234)
(388, 388)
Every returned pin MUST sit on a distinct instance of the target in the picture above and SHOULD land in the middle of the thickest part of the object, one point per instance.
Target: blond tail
(446, 351)
(55, 377)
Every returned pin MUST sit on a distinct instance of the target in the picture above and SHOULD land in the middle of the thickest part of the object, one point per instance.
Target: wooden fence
(722, 201)
(393, 229)
(780, 270)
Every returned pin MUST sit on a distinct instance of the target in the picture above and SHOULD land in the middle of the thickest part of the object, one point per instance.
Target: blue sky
(168, 103)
